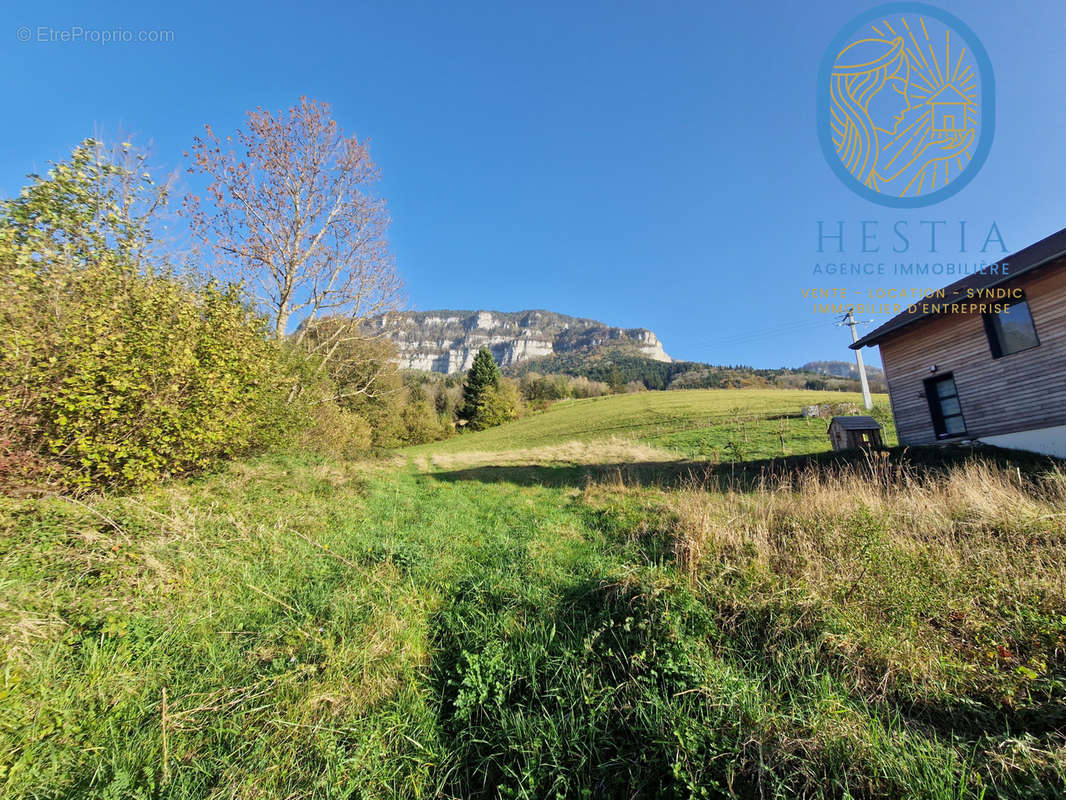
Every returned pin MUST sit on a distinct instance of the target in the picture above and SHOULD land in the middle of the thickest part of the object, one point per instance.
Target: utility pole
(849, 320)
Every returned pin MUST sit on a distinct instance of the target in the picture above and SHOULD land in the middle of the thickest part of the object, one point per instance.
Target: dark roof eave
(1057, 243)
(856, 423)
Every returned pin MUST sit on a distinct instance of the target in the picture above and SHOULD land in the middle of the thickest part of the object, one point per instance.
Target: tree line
(625, 371)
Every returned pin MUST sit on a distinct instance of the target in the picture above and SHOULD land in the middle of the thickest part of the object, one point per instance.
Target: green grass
(888, 628)
(695, 423)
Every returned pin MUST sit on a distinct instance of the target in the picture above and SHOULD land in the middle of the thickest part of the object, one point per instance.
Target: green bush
(421, 423)
(540, 391)
(111, 370)
(496, 405)
(365, 384)
(335, 432)
(130, 378)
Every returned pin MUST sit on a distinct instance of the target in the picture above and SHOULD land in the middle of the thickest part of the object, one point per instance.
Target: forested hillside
(618, 368)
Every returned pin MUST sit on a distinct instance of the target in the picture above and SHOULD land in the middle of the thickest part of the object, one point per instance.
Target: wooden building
(848, 432)
(986, 358)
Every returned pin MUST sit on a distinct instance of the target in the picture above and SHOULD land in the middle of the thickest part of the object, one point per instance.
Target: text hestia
(931, 235)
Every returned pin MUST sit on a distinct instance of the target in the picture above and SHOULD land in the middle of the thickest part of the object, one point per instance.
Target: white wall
(1050, 441)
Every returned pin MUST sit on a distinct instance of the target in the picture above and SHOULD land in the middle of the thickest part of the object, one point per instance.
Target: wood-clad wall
(1018, 392)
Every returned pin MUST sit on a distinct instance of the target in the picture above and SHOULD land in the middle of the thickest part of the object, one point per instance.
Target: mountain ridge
(446, 340)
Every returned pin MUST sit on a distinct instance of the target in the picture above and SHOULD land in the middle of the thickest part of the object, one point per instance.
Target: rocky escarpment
(447, 341)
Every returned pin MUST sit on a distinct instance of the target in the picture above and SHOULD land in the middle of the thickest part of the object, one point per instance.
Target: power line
(766, 333)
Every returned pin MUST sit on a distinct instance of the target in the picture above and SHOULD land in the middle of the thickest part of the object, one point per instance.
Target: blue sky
(645, 164)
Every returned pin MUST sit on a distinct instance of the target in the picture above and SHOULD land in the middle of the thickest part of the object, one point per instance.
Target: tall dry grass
(972, 514)
(610, 451)
(934, 583)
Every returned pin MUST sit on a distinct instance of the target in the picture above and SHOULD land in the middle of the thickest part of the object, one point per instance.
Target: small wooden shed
(848, 432)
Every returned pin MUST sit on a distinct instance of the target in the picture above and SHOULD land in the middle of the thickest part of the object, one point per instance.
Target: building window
(944, 406)
(1011, 330)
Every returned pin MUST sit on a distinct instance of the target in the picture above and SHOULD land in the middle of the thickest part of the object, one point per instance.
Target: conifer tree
(483, 376)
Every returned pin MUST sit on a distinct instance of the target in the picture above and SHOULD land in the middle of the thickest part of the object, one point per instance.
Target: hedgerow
(113, 372)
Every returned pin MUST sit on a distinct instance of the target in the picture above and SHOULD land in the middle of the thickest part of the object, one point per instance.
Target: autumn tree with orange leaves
(289, 211)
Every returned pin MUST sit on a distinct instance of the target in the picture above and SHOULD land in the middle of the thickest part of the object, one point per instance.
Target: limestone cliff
(447, 341)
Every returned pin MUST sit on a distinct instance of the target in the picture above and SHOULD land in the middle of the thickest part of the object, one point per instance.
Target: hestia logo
(906, 105)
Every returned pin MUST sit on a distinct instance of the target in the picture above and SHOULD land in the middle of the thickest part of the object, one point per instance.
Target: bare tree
(291, 213)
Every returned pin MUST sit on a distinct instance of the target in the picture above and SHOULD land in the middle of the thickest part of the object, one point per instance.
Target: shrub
(335, 432)
(129, 378)
(111, 370)
(20, 466)
(582, 387)
(420, 423)
(540, 391)
(365, 382)
(497, 405)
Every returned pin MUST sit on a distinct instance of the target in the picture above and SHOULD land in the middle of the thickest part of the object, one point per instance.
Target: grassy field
(494, 617)
(697, 423)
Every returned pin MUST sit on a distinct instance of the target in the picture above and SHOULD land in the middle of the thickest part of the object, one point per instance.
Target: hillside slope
(693, 423)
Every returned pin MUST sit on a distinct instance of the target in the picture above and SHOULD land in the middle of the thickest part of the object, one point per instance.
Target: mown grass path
(287, 607)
